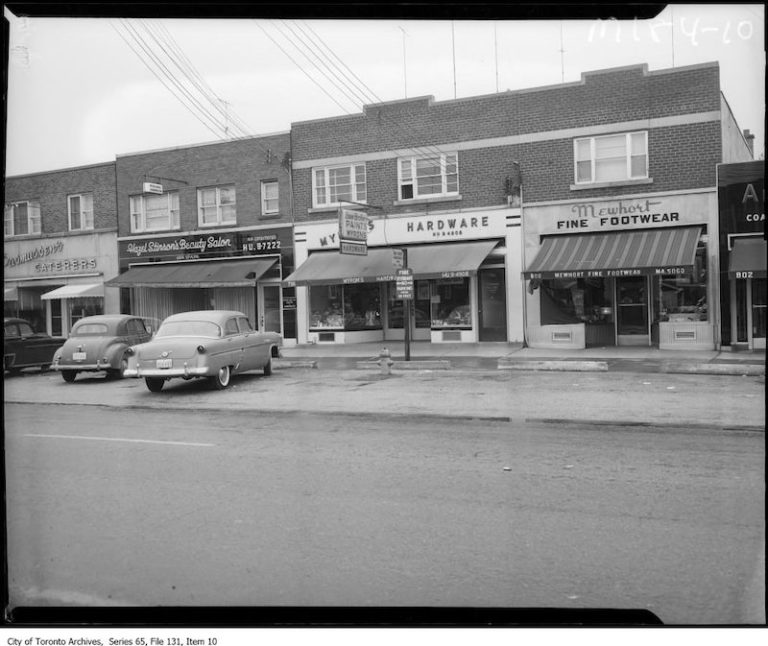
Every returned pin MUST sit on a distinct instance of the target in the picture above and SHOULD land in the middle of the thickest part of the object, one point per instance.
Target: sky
(84, 90)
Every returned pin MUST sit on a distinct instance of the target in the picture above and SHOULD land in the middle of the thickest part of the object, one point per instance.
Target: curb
(407, 365)
(574, 366)
(713, 369)
(282, 363)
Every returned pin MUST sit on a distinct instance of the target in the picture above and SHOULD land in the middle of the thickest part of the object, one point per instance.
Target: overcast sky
(81, 91)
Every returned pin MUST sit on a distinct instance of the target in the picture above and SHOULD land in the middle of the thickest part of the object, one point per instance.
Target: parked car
(212, 344)
(25, 348)
(100, 343)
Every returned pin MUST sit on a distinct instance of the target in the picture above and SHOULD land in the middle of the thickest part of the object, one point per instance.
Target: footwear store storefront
(631, 271)
(54, 282)
(743, 251)
(461, 265)
(239, 271)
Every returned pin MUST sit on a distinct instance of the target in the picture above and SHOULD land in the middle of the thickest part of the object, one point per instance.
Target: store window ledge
(333, 209)
(623, 182)
(428, 200)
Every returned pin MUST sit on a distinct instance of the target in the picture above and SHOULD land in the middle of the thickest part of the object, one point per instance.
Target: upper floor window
(269, 197)
(337, 184)
(420, 177)
(80, 211)
(155, 212)
(22, 218)
(612, 158)
(216, 205)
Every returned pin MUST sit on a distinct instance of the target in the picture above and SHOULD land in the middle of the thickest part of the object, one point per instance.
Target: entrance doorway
(493, 304)
(269, 319)
(632, 320)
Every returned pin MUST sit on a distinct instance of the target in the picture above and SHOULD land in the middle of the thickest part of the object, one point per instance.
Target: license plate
(164, 363)
(78, 356)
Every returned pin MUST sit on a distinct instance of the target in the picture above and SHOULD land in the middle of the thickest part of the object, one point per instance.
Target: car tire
(154, 384)
(68, 375)
(222, 377)
(118, 373)
(268, 367)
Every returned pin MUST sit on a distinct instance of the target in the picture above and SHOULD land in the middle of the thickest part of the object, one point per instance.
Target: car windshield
(190, 328)
(90, 329)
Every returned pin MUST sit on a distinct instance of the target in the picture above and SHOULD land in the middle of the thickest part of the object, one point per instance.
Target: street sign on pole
(397, 258)
(404, 284)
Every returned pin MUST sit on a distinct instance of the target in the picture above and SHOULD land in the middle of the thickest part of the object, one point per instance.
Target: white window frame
(265, 210)
(629, 153)
(34, 222)
(84, 215)
(221, 218)
(357, 195)
(139, 215)
(411, 180)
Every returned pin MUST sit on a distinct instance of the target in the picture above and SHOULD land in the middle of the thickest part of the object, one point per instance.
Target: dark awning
(621, 253)
(747, 258)
(207, 273)
(426, 261)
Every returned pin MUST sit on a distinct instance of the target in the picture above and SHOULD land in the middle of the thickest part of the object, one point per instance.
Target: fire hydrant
(385, 361)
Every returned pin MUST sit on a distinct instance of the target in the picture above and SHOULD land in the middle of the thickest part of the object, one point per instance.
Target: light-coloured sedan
(212, 344)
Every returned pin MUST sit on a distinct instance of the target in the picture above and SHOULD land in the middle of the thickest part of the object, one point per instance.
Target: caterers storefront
(743, 250)
(53, 282)
(461, 265)
(629, 271)
(238, 270)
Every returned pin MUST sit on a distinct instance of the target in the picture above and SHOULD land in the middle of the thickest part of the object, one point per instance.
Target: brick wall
(51, 190)
(244, 163)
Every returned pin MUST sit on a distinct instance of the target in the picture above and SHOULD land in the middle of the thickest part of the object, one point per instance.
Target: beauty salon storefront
(461, 264)
(53, 282)
(238, 270)
(630, 271)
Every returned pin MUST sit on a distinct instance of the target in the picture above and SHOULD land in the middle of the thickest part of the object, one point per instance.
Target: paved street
(196, 497)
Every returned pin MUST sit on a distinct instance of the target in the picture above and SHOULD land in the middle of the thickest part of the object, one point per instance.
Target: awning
(426, 261)
(747, 258)
(622, 253)
(93, 290)
(233, 273)
(11, 294)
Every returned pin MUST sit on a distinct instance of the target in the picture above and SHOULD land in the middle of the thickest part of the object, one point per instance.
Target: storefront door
(269, 309)
(749, 312)
(632, 323)
(493, 304)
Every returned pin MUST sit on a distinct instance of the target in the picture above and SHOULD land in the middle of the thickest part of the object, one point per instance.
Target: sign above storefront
(152, 187)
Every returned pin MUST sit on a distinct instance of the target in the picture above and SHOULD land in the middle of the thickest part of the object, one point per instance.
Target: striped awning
(232, 273)
(622, 253)
(747, 258)
(75, 290)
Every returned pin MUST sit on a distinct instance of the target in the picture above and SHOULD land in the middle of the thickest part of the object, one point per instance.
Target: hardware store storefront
(239, 270)
(629, 271)
(53, 282)
(461, 265)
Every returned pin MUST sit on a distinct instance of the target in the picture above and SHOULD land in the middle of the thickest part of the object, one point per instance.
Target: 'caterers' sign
(649, 212)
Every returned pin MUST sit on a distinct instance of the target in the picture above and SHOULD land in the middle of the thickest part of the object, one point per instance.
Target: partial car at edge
(210, 344)
(25, 348)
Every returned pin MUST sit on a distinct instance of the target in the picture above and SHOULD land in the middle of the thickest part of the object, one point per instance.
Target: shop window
(155, 212)
(270, 198)
(566, 301)
(334, 185)
(612, 158)
(422, 177)
(419, 306)
(217, 205)
(21, 219)
(450, 304)
(80, 212)
(345, 307)
(79, 308)
(684, 297)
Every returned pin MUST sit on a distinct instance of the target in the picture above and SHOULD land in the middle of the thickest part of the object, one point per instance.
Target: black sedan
(25, 348)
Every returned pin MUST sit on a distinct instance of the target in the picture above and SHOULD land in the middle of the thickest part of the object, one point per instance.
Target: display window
(583, 300)
(450, 304)
(345, 307)
(419, 306)
(684, 297)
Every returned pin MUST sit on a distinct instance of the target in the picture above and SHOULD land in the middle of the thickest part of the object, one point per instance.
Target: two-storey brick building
(60, 235)
(207, 227)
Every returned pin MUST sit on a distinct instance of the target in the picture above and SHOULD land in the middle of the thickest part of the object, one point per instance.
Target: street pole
(407, 314)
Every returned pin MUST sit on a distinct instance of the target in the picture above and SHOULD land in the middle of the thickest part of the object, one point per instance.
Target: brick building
(60, 235)
(570, 215)
(207, 227)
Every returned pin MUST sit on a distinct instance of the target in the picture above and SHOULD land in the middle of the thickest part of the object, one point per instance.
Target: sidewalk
(512, 356)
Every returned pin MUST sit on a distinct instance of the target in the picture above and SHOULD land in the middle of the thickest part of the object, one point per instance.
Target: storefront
(53, 282)
(633, 271)
(239, 271)
(461, 265)
(743, 250)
